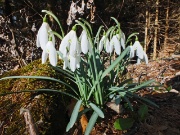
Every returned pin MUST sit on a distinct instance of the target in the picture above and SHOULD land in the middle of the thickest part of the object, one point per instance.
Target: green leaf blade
(91, 123)
(97, 110)
(74, 115)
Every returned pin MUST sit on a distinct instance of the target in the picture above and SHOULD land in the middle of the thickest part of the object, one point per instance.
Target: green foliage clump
(47, 108)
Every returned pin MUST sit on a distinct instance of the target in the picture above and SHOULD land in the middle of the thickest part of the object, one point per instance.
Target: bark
(146, 37)
(167, 26)
(156, 30)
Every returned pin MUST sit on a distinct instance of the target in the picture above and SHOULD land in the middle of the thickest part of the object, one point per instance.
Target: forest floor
(164, 120)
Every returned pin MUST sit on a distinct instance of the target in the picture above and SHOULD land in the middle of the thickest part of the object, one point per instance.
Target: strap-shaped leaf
(115, 62)
(97, 110)
(39, 90)
(42, 78)
(144, 84)
(91, 123)
(74, 115)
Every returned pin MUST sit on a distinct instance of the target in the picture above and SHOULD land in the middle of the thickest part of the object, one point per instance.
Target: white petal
(78, 59)
(107, 46)
(131, 52)
(64, 46)
(44, 56)
(111, 47)
(52, 53)
(66, 63)
(43, 35)
(37, 41)
(74, 46)
(101, 43)
(139, 50)
(117, 45)
(138, 61)
(122, 40)
(72, 63)
(84, 43)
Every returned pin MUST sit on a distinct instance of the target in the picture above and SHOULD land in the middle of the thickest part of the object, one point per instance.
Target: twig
(29, 121)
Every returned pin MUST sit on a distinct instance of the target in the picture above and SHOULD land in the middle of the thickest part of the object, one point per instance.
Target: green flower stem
(98, 92)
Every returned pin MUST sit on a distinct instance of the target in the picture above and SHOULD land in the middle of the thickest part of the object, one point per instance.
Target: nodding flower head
(139, 52)
(51, 51)
(121, 37)
(115, 44)
(70, 49)
(43, 34)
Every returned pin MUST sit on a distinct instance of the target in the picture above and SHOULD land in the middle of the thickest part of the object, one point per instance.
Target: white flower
(70, 44)
(139, 50)
(142, 56)
(121, 37)
(42, 35)
(51, 51)
(85, 46)
(71, 49)
(114, 43)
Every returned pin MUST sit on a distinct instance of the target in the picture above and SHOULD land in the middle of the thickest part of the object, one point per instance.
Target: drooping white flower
(85, 46)
(141, 55)
(43, 35)
(139, 50)
(115, 44)
(71, 49)
(69, 44)
(121, 37)
(51, 51)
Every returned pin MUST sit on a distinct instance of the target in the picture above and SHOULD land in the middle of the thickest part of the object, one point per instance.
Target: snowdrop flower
(70, 44)
(104, 42)
(122, 38)
(71, 49)
(51, 51)
(114, 43)
(140, 52)
(138, 48)
(85, 46)
(42, 36)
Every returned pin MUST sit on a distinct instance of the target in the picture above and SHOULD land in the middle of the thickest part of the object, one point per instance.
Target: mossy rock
(47, 108)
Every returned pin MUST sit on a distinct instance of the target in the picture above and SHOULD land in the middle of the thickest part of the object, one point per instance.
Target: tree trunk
(156, 30)
(167, 26)
(146, 37)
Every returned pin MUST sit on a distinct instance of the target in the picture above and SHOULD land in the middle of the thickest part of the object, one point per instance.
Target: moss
(47, 108)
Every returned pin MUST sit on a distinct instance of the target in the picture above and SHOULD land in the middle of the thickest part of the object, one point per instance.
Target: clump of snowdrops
(94, 63)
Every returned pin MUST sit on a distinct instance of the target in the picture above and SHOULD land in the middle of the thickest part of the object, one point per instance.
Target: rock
(47, 107)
